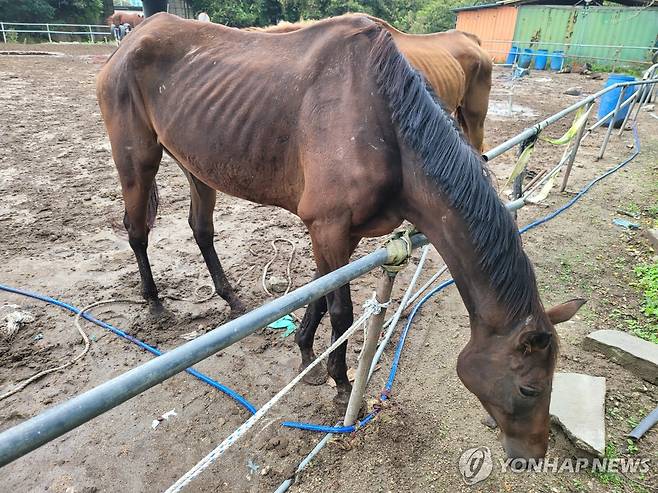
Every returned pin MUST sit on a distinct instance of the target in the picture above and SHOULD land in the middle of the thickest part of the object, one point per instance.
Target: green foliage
(418, 16)
(648, 281)
(68, 11)
(26, 11)
(609, 478)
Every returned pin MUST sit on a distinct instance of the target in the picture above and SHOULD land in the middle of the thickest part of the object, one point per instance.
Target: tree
(72, 11)
(26, 11)
(78, 11)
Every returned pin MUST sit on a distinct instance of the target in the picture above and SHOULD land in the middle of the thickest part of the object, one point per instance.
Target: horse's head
(510, 370)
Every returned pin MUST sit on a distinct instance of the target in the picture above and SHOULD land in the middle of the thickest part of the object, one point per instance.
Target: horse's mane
(460, 173)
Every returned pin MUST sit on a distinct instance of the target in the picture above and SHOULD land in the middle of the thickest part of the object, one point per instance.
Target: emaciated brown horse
(332, 123)
(452, 62)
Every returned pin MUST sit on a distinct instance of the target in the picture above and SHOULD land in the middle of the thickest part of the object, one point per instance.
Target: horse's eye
(529, 391)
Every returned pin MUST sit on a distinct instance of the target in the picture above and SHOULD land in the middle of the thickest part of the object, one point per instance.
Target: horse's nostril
(529, 391)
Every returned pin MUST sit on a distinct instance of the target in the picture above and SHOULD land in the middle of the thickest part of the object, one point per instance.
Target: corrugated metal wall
(539, 26)
(494, 26)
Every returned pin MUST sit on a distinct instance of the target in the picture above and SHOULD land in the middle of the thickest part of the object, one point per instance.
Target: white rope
(267, 265)
(371, 307)
(197, 297)
(85, 339)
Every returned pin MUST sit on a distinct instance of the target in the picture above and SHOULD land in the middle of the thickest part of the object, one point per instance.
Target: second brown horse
(333, 124)
(452, 62)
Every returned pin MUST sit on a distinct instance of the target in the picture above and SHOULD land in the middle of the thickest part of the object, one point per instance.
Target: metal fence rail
(91, 31)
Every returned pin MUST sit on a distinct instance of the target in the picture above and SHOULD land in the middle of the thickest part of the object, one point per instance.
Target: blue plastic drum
(512, 55)
(526, 58)
(609, 99)
(541, 57)
(557, 60)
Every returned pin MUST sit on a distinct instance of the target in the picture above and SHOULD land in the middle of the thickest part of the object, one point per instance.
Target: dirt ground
(61, 235)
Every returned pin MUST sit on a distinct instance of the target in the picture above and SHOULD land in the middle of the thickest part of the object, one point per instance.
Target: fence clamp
(399, 249)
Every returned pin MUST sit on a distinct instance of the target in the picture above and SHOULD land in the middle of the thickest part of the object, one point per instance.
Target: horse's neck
(426, 208)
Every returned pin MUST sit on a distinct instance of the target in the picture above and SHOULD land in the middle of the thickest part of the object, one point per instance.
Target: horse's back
(248, 112)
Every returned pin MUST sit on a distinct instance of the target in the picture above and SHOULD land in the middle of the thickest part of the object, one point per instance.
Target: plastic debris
(190, 335)
(15, 320)
(164, 417)
(253, 467)
(287, 323)
(38, 337)
(625, 224)
(520, 72)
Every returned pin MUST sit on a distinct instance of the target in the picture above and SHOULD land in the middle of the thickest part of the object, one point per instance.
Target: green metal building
(610, 36)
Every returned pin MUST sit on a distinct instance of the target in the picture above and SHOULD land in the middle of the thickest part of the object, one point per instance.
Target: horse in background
(119, 18)
(452, 62)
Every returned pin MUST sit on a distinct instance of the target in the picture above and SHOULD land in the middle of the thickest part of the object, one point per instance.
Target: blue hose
(398, 350)
(222, 388)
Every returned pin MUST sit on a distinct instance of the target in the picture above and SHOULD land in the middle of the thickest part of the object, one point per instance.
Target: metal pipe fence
(25, 437)
(11, 31)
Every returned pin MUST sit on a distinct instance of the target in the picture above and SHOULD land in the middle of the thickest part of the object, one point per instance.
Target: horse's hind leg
(202, 206)
(137, 157)
(473, 110)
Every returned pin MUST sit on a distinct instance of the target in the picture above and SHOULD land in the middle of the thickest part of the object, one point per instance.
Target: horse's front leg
(332, 248)
(341, 312)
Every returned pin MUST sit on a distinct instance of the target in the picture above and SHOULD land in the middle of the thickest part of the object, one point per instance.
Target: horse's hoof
(156, 309)
(317, 376)
(342, 398)
(489, 422)
(237, 309)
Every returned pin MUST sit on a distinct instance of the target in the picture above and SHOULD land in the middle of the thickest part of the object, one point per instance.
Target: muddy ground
(61, 235)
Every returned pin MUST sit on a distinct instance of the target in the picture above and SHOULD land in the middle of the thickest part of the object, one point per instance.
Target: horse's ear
(562, 313)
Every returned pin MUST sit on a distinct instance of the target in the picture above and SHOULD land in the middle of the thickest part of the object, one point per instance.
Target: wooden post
(375, 323)
(4, 36)
(91, 34)
(576, 145)
(50, 39)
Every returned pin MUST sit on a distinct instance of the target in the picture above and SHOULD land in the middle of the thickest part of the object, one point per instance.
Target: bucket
(526, 58)
(557, 60)
(609, 99)
(512, 55)
(541, 57)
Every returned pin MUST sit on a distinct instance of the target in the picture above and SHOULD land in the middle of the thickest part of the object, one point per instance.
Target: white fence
(12, 31)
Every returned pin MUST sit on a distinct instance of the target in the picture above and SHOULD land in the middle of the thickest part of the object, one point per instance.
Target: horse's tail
(152, 207)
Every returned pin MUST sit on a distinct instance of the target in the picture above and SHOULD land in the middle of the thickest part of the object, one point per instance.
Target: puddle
(500, 110)
(30, 53)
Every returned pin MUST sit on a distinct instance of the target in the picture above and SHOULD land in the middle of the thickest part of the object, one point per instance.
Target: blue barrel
(557, 60)
(512, 55)
(609, 99)
(541, 57)
(526, 58)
